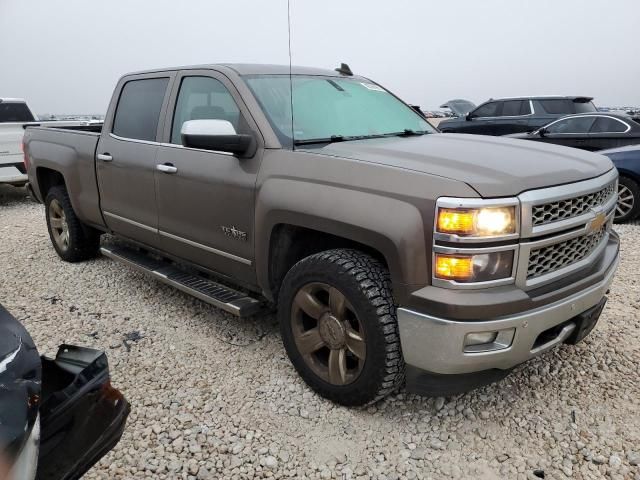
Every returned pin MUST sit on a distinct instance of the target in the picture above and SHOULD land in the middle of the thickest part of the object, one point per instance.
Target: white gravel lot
(216, 397)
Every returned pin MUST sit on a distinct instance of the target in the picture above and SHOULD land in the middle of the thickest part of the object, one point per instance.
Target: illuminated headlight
(477, 222)
(473, 267)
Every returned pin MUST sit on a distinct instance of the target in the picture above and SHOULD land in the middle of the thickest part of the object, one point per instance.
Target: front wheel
(72, 240)
(628, 206)
(339, 327)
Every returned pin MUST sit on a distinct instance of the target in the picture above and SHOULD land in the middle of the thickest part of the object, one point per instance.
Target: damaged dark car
(58, 416)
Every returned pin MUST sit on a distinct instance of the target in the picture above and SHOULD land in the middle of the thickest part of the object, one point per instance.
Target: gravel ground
(215, 397)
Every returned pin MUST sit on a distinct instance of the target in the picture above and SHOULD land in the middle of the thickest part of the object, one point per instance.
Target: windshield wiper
(331, 139)
(407, 132)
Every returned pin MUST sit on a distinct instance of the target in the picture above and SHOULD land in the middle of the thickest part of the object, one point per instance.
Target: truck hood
(493, 166)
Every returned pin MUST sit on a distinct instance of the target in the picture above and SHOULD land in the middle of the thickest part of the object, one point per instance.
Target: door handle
(166, 168)
(105, 157)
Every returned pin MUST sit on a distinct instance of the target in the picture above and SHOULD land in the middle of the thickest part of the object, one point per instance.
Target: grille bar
(553, 257)
(570, 207)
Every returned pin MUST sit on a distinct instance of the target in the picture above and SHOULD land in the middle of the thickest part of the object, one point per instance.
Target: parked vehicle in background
(593, 131)
(514, 115)
(388, 248)
(58, 417)
(627, 161)
(459, 107)
(15, 114)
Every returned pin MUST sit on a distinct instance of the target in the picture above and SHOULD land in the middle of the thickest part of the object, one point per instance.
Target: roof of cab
(253, 69)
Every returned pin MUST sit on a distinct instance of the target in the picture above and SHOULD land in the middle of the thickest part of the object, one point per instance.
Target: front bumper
(437, 345)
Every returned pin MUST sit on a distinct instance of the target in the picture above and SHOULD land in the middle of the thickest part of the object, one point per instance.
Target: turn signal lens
(477, 222)
(455, 221)
(454, 267)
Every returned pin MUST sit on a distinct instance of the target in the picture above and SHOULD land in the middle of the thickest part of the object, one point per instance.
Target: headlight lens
(474, 268)
(477, 222)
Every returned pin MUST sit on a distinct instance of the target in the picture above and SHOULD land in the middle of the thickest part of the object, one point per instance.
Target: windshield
(15, 112)
(327, 108)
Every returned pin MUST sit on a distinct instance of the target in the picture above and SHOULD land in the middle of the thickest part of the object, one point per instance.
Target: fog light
(480, 338)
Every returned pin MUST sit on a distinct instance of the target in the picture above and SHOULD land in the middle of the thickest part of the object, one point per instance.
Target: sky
(65, 56)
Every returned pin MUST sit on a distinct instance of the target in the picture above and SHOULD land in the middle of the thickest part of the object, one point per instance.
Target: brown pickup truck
(392, 251)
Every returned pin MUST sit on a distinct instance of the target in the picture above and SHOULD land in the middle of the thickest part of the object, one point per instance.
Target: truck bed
(71, 151)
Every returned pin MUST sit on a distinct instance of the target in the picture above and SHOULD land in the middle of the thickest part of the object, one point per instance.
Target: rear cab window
(15, 112)
(138, 111)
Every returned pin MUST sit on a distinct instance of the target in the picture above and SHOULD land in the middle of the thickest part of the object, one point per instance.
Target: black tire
(81, 241)
(631, 191)
(365, 284)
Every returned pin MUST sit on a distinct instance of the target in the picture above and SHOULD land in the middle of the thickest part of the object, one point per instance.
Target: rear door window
(558, 106)
(609, 125)
(138, 111)
(490, 109)
(514, 108)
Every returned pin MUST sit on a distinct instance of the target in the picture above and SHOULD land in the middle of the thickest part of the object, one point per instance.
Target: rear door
(206, 206)
(126, 157)
(610, 132)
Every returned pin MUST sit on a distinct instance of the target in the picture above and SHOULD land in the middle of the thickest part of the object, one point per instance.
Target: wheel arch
(328, 217)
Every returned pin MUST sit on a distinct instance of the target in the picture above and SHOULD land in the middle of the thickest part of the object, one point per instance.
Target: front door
(126, 159)
(482, 121)
(206, 202)
(570, 132)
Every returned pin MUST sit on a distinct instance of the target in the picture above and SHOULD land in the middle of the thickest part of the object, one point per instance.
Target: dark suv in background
(515, 115)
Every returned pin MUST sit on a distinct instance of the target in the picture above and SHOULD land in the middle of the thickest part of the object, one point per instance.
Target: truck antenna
(293, 141)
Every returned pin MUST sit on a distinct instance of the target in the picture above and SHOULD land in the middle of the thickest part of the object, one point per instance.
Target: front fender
(391, 226)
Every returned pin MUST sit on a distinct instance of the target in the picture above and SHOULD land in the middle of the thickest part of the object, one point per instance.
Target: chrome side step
(214, 293)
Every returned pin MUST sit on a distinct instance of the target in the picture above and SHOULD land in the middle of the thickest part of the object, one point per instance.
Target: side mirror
(216, 135)
(542, 132)
(468, 117)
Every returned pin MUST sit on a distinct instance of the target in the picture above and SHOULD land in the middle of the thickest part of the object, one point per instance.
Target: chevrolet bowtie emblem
(597, 223)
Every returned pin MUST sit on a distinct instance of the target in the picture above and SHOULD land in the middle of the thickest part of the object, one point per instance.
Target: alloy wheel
(626, 201)
(59, 225)
(328, 334)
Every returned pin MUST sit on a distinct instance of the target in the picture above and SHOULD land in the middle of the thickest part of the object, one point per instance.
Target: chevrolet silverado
(393, 253)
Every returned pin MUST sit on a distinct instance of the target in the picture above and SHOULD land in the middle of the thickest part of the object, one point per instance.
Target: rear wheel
(628, 206)
(72, 240)
(339, 326)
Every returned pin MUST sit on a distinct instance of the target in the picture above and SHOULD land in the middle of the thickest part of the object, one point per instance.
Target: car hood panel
(494, 167)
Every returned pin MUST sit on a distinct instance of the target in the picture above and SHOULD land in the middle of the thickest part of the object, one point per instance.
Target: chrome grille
(559, 255)
(570, 207)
